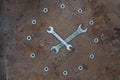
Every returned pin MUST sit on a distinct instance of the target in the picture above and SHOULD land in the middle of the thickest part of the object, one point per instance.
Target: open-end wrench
(71, 37)
(51, 31)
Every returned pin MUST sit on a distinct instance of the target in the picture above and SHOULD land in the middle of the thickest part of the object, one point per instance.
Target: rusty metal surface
(18, 15)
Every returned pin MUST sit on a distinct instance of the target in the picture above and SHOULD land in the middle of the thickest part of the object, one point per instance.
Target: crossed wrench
(64, 42)
(51, 31)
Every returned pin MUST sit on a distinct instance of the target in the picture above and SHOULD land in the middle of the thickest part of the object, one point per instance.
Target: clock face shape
(62, 39)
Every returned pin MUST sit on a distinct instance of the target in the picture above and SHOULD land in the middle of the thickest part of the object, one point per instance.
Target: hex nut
(34, 21)
(91, 22)
(45, 10)
(96, 40)
(46, 69)
(62, 6)
(80, 68)
(65, 73)
(29, 38)
(32, 55)
(91, 56)
(80, 10)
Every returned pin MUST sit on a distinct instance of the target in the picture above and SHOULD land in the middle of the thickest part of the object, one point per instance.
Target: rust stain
(18, 37)
(100, 19)
(42, 42)
(26, 52)
(34, 27)
(37, 75)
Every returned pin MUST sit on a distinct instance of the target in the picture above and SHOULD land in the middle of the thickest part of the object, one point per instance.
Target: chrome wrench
(51, 31)
(68, 39)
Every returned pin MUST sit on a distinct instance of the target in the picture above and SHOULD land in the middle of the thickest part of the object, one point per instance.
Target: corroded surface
(17, 24)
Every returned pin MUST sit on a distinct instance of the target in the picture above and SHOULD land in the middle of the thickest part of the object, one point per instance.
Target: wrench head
(69, 47)
(54, 48)
(82, 30)
(51, 29)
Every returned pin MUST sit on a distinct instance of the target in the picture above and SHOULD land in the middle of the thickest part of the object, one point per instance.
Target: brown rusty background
(15, 50)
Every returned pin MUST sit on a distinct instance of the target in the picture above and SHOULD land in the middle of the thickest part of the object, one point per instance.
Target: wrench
(71, 37)
(51, 31)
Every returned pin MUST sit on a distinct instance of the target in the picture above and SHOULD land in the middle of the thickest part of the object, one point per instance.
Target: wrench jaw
(69, 47)
(51, 29)
(54, 48)
(82, 30)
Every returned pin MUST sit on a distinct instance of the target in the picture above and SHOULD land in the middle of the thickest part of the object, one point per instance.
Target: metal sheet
(18, 25)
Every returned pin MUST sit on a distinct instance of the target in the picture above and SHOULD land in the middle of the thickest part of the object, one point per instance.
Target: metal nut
(29, 38)
(80, 68)
(46, 69)
(91, 22)
(62, 6)
(96, 40)
(91, 56)
(45, 10)
(79, 10)
(34, 21)
(32, 55)
(65, 73)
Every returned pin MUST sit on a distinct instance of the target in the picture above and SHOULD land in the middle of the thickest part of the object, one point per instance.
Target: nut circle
(96, 40)
(80, 68)
(46, 69)
(62, 6)
(29, 38)
(34, 22)
(91, 56)
(65, 73)
(91, 22)
(79, 10)
(45, 10)
(32, 55)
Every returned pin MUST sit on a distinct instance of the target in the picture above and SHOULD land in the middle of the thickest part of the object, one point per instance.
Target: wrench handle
(71, 37)
(59, 38)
